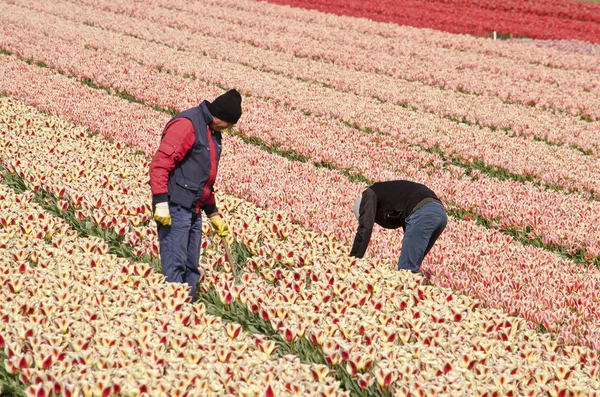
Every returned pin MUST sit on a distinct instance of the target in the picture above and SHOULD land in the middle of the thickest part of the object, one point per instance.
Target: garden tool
(232, 264)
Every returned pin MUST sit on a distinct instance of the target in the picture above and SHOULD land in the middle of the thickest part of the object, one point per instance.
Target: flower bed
(77, 321)
(466, 144)
(78, 247)
(537, 285)
(382, 325)
(568, 20)
(562, 226)
(514, 82)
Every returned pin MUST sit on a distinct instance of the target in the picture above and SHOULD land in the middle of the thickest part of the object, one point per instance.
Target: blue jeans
(423, 227)
(180, 247)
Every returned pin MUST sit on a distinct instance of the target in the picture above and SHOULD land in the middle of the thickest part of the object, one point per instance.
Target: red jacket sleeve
(178, 139)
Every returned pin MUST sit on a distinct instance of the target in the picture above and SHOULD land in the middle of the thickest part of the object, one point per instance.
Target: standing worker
(406, 204)
(182, 174)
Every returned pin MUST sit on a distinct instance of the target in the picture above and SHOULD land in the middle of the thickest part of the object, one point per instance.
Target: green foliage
(170, 111)
(90, 83)
(10, 384)
(584, 117)
(240, 252)
(127, 96)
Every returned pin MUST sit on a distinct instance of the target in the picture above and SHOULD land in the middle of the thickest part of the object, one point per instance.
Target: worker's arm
(209, 205)
(366, 220)
(178, 139)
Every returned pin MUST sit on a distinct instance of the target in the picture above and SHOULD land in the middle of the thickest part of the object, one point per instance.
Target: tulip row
(16, 115)
(538, 161)
(483, 111)
(579, 321)
(574, 47)
(481, 262)
(344, 336)
(469, 258)
(382, 325)
(517, 50)
(554, 8)
(132, 131)
(290, 29)
(76, 321)
(562, 225)
(302, 205)
(541, 146)
(83, 172)
(91, 164)
(540, 89)
(319, 372)
(33, 126)
(567, 20)
(560, 228)
(521, 120)
(363, 336)
(565, 222)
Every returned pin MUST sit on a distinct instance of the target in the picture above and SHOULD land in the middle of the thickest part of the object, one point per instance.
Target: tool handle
(229, 258)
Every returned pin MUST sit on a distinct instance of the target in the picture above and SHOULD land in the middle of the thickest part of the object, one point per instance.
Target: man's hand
(162, 214)
(219, 225)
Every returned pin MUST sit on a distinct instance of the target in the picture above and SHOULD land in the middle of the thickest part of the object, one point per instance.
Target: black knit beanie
(227, 107)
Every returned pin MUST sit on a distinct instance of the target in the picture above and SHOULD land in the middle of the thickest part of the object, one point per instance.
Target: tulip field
(337, 94)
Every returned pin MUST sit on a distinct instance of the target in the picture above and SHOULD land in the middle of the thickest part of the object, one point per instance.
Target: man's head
(226, 110)
(356, 208)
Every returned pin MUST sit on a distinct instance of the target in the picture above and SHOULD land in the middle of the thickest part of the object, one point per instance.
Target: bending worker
(406, 204)
(182, 174)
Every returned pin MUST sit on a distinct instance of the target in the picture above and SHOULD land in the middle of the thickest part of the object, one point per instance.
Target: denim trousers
(180, 247)
(423, 227)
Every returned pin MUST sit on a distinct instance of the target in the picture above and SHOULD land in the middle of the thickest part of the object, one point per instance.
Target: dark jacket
(190, 181)
(388, 204)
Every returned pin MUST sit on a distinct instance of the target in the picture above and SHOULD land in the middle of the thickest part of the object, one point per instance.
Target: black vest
(191, 182)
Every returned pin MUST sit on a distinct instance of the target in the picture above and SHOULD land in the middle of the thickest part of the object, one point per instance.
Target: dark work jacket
(388, 204)
(191, 182)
